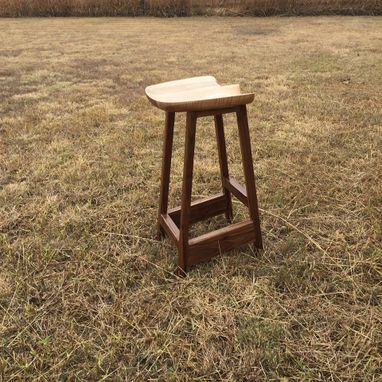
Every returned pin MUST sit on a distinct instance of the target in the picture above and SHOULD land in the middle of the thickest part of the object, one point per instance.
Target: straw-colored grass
(168, 8)
(86, 293)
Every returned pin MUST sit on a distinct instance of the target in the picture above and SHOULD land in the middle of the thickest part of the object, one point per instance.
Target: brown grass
(14, 8)
(86, 293)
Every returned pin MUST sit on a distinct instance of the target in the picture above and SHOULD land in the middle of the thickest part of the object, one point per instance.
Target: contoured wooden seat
(196, 94)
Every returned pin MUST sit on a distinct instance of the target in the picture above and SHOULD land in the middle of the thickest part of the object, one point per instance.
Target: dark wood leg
(245, 145)
(166, 167)
(219, 128)
(186, 193)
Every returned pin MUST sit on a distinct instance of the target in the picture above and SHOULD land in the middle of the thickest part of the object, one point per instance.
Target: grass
(86, 293)
(170, 8)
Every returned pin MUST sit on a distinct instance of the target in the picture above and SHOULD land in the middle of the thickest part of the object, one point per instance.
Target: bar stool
(200, 97)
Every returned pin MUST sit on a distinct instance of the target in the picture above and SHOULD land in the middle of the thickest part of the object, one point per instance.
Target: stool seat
(196, 94)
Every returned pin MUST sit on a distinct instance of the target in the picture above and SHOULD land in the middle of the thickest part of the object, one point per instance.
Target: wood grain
(246, 153)
(187, 190)
(166, 167)
(223, 162)
(214, 243)
(170, 228)
(202, 209)
(196, 94)
(236, 189)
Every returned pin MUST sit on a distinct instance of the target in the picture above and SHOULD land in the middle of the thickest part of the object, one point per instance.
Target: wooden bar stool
(199, 97)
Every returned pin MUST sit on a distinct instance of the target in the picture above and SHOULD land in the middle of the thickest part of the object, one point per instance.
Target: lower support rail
(214, 243)
(170, 228)
(202, 209)
(236, 189)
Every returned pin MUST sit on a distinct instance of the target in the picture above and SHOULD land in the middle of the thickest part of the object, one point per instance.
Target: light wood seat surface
(196, 94)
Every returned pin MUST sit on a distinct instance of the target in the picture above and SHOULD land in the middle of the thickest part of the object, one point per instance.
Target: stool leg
(166, 167)
(186, 192)
(222, 151)
(245, 145)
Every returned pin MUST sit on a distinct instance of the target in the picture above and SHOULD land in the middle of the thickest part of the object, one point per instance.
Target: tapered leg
(166, 167)
(219, 128)
(186, 192)
(245, 145)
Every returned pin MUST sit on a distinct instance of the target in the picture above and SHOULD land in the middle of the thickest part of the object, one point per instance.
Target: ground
(87, 293)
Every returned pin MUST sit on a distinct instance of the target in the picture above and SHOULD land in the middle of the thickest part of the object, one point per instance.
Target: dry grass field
(169, 8)
(86, 293)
